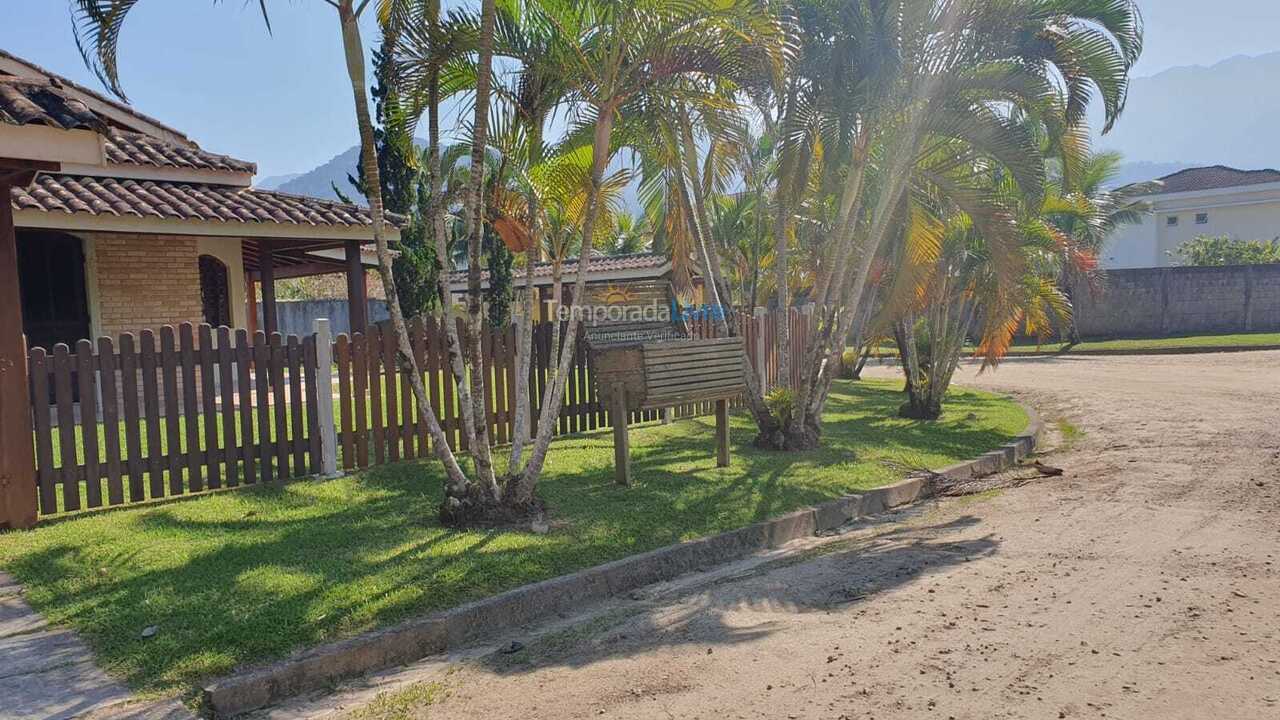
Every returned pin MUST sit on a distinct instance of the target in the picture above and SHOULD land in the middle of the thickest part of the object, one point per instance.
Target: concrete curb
(322, 667)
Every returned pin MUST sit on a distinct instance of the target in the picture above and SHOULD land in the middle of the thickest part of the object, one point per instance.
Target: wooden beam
(357, 290)
(251, 301)
(621, 436)
(297, 270)
(18, 507)
(267, 271)
(722, 433)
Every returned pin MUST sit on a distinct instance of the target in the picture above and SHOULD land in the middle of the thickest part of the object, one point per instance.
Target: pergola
(269, 259)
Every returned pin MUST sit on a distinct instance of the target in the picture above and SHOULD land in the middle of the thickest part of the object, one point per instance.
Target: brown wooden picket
(190, 418)
(200, 411)
(419, 342)
(310, 370)
(66, 427)
(89, 422)
(37, 363)
(105, 413)
(248, 439)
(226, 375)
(296, 442)
(390, 396)
(151, 409)
(111, 421)
(360, 375)
(209, 406)
(346, 423)
(377, 423)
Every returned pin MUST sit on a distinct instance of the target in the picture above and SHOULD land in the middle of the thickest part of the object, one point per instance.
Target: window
(1202, 218)
(214, 294)
(1171, 221)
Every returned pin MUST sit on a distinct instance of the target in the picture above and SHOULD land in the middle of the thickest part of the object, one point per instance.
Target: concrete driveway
(1141, 585)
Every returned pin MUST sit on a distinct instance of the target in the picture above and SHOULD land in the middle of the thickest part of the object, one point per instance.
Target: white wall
(1132, 246)
(1241, 222)
(1249, 215)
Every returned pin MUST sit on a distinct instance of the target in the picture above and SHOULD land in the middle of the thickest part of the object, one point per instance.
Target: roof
(33, 102)
(52, 101)
(657, 262)
(99, 196)
(21, 66)
(130, 148)
(1214, 177)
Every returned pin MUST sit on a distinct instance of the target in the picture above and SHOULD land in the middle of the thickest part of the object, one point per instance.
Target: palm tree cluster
(914, 167)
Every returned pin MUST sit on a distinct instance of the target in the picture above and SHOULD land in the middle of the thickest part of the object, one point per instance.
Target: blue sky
(283, 99)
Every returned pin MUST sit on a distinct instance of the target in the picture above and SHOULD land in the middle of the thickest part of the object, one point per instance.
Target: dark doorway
(55, 308)
(215, 295)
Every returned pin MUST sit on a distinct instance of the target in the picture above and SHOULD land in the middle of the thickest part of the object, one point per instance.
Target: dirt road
(1142, 584)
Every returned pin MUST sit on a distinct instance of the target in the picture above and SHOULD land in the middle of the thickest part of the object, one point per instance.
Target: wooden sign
(650, 374)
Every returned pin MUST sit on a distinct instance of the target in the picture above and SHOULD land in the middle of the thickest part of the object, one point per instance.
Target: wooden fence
(198, 409)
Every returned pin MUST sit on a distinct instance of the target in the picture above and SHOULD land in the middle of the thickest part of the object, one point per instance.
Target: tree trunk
(700, 226)
(524, 350)
(354, 54)
(551, 405)
(781, 225)
(480, 501)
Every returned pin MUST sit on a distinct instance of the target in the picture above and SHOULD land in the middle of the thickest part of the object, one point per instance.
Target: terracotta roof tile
(129, 148)
(1215, 177)
(40, 102)
(183, 201)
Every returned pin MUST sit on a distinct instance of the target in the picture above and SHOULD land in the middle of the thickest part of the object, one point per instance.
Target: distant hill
(1221, 114)
(319, 182)
(273, 182)
(1180, 118)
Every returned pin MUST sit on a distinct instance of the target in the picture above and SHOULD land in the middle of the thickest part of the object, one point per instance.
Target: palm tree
(97, 25)
(1082, 205)
(986, 272)
(632, 235)
(616, 55)
(878, 86)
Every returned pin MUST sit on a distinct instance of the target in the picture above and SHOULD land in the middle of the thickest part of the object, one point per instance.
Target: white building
(1214, 201)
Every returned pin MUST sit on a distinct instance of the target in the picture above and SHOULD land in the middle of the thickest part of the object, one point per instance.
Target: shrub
(1207, 251)
(782, 403)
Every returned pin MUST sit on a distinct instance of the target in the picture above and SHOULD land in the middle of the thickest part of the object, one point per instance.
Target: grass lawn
(1132, 345)
(245, 577)
(1242, 340)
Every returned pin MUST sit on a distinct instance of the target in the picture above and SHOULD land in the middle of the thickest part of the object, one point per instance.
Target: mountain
(320, 181)
(273, 182)
(1221, 114)
(1182, 117)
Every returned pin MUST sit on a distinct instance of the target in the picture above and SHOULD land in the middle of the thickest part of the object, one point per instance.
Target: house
(632, 279)
(1214, 201)
(112, 222)
(129, 224)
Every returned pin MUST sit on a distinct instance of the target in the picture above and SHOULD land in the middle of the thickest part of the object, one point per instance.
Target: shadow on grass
(250, 576)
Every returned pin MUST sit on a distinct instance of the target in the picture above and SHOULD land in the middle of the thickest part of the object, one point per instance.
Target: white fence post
(762, 360)
(324, 398)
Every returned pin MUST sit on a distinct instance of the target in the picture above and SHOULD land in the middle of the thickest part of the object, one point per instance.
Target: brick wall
(145, 281)
(1179, 300)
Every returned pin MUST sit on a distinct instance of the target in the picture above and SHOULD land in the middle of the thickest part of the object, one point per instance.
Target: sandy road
(1143, 584)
